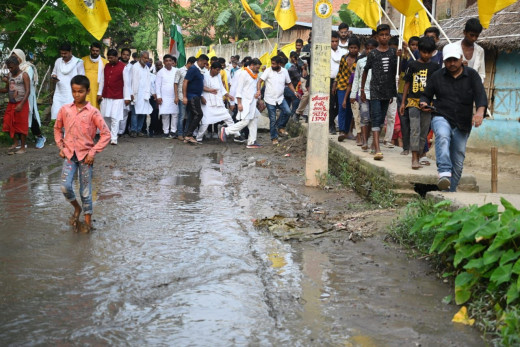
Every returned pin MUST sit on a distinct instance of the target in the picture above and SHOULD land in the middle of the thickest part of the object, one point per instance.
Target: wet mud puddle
(175, 259)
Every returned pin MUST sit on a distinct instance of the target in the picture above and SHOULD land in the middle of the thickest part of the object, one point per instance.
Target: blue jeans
(378, 110)
(180, 119)
(137, 121)
(291, 99)
(344, 114)
(450, 150)
(70, 167)
(275, 124)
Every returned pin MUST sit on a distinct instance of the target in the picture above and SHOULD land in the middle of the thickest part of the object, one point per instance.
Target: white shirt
(65, 71)
(343, 47)
(275, 82)
(164, 90)
(477, 61)
(335, 58)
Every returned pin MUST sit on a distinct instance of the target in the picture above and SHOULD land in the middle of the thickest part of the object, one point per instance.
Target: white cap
(452, 50)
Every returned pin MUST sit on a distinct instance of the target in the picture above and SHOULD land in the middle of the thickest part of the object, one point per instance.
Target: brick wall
(304, 9)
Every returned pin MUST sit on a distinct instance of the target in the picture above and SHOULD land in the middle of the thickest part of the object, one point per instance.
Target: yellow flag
(256, 18)
(487, 8)
(287, 49)
(199, 52)
(211, 53)
(367, 10)
(406, 7)
(285, 14)
(265, 59)
(416, 25)
(93, 14)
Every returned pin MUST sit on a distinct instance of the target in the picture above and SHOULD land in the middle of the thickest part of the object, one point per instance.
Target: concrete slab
(462, 199)
(399, 168)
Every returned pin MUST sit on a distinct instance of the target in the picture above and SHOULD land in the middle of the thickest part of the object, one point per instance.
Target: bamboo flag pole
(32, 21)
(400, 46)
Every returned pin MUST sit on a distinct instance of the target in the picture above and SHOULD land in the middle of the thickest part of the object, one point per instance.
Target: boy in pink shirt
(80, 121)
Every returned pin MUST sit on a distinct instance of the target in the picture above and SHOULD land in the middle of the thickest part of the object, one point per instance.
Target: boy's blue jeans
(275, 124)
(70, 167)
(378, 110)
(450, 150)
(344, 114)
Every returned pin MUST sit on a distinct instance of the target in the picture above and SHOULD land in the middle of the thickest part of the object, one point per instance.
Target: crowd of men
(207, 98)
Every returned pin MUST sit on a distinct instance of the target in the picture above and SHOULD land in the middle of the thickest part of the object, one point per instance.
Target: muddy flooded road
(175, 258)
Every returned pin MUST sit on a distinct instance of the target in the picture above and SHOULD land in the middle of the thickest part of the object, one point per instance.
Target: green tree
(349, 17)
(234, 23)
(56, 24)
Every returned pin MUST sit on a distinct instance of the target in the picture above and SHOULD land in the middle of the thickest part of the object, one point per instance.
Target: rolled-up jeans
(137, 121)
(70, 167)
(450, 150)
(281, 122)
(378, 110)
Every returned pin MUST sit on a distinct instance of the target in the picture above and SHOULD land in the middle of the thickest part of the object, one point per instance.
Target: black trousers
(195, 109)
(35, 127)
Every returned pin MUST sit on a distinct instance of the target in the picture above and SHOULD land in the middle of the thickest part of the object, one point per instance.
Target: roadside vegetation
(477, 249)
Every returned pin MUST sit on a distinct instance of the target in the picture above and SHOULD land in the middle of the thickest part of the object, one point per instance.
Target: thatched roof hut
(503, 32)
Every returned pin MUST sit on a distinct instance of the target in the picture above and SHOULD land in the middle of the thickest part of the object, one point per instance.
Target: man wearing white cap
(456, 88)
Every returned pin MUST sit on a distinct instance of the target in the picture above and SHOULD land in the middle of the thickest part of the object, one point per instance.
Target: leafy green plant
(349, 17)
(482, 245)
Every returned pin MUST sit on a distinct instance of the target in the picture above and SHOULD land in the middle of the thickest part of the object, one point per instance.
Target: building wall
(502, 131)
(451, 8)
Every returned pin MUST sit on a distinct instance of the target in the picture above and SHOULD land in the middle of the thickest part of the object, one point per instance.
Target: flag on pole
(406, 7)
(416, 25)
(256, 18)
(487, 8)
(266, 57)
(285, 14)
(93, 14)
(287, 49)
(177, 44)
(367, 10)
(199, 52)
(211, 53)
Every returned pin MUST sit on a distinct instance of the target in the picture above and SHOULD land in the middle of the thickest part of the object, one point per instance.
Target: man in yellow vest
(94, 67)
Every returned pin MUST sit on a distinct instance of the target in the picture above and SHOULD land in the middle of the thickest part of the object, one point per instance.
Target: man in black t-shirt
(383, 63)
(417, 74)
(456, 88)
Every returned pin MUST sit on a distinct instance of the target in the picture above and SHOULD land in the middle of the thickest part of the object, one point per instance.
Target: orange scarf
(253, 76)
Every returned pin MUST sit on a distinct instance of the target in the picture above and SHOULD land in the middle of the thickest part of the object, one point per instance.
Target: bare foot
(75, 216)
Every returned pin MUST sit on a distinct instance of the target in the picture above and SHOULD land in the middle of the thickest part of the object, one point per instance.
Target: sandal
(388, 144)
(20, 151)
(190, 140)
(378, 156)
(424, 161)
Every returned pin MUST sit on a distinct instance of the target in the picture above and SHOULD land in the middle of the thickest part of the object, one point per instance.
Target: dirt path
(188, 248)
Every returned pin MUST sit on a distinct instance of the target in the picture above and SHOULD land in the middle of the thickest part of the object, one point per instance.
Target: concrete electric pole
(316, 164)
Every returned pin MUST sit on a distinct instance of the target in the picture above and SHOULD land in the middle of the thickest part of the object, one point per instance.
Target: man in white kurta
(141, 90)
(164, 86)
(213, 107)
(65, 68)
(246, 88)
(125, 59)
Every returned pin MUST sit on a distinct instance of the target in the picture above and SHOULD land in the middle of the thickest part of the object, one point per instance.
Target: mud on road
(186, 251)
